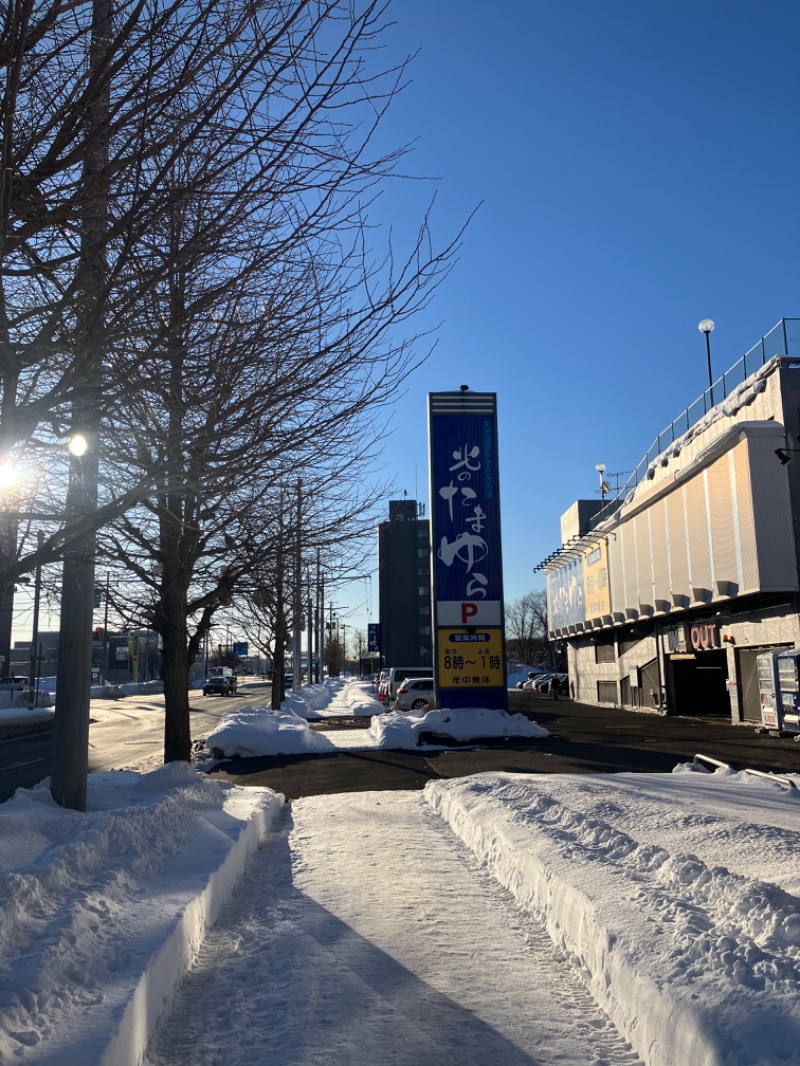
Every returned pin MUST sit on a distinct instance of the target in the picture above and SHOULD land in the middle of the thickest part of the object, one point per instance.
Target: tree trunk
(177, 731)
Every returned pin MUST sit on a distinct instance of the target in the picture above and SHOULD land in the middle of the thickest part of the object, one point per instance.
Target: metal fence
(783, 339)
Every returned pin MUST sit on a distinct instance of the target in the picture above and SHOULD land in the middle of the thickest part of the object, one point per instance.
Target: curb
(152, 997)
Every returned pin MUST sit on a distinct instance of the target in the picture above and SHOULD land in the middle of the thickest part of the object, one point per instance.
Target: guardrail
(789, 783)
(783, 339)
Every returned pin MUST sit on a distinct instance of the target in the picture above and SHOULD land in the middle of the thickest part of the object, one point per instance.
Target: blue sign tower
(467, 564)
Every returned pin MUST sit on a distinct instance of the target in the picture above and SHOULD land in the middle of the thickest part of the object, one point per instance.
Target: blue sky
(637, 165)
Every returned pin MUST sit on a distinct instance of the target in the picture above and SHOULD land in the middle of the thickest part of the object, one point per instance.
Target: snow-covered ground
(495, 918)
(258, 730)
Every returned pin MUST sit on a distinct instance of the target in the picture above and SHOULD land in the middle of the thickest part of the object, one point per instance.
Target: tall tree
(526, 628)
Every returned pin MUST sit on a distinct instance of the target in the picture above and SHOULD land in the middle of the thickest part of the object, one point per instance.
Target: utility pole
(320, 623)
(33, 684)
(297, 666)
(310, 634)
(104, 678)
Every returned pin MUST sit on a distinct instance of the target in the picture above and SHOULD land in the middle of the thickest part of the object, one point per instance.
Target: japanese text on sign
(470, 659)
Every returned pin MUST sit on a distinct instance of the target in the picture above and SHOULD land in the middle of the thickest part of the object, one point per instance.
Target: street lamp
(601, 469)
(707, 327)
(78, 445)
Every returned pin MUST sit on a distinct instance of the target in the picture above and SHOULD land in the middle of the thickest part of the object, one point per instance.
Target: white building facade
(666, 596)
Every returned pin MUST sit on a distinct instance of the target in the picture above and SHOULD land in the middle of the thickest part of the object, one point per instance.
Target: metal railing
(783, 339)
(790, 783)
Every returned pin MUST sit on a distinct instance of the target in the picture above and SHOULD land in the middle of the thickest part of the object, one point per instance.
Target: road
(584, 739)
(126, 733)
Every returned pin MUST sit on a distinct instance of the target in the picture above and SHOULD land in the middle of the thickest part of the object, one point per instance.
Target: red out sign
(704, 636)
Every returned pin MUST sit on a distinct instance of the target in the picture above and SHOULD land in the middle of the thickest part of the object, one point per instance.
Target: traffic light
(98, 633)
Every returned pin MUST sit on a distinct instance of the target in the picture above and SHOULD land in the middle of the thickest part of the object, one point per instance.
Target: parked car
(415, 694)
(563, 684)
(13, 684)
(533, 675)
(398, 675)
(541, 683)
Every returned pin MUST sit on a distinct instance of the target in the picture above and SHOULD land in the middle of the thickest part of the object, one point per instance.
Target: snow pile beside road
(462, 726)
(254, 731)
(361, 701)
(309, 700)
(676, 896)
(18, 700)
(335, 698)
(102, 912)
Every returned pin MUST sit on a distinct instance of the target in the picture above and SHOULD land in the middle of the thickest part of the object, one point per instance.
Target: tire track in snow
(364, 932)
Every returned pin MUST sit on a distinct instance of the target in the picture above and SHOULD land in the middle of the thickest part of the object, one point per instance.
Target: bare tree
(272, 339)
(526, 628)
(243, 327)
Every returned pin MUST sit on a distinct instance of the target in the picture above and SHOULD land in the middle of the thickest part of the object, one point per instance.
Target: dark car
(217, 686)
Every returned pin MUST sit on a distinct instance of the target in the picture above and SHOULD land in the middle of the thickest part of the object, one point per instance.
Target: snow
(252, 731)
(514, 918)
(743, 395)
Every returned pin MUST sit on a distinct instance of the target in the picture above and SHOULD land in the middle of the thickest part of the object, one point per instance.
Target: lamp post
(707, 327)
(601, 469)
(68, 780)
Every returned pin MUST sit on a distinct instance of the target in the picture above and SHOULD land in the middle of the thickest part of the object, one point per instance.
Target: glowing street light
(9, 475)
(78, 445)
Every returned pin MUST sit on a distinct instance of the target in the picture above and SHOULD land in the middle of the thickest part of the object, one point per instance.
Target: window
(605, 653)
(424, 609)
(422, 553)
(424, 631)
(423, 571)
(422, 533)
(424, 590)
(606, 692)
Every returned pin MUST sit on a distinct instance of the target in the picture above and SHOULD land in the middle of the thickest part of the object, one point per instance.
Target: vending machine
(779, 689)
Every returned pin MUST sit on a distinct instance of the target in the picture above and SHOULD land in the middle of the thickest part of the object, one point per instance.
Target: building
(404, 587)
(666, 594)
(120, 658)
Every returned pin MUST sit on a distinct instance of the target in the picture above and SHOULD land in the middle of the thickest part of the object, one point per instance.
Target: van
(398, 674)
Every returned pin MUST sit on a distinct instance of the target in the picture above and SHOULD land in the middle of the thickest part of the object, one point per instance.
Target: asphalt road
(126, 733)
(583, 740)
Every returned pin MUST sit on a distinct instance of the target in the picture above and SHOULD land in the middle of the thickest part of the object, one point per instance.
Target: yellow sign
(597, 594)
(470, 658)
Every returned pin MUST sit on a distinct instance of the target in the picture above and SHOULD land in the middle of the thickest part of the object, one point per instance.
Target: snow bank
(103, 912)
(462, 726)
(308, 700)
(254, 731)
(675, 895)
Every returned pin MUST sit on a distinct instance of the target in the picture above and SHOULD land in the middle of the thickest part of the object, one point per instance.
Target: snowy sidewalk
(365, 932)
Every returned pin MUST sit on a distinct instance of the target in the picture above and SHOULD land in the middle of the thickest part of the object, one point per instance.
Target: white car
(13, 684)
(415, 694)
